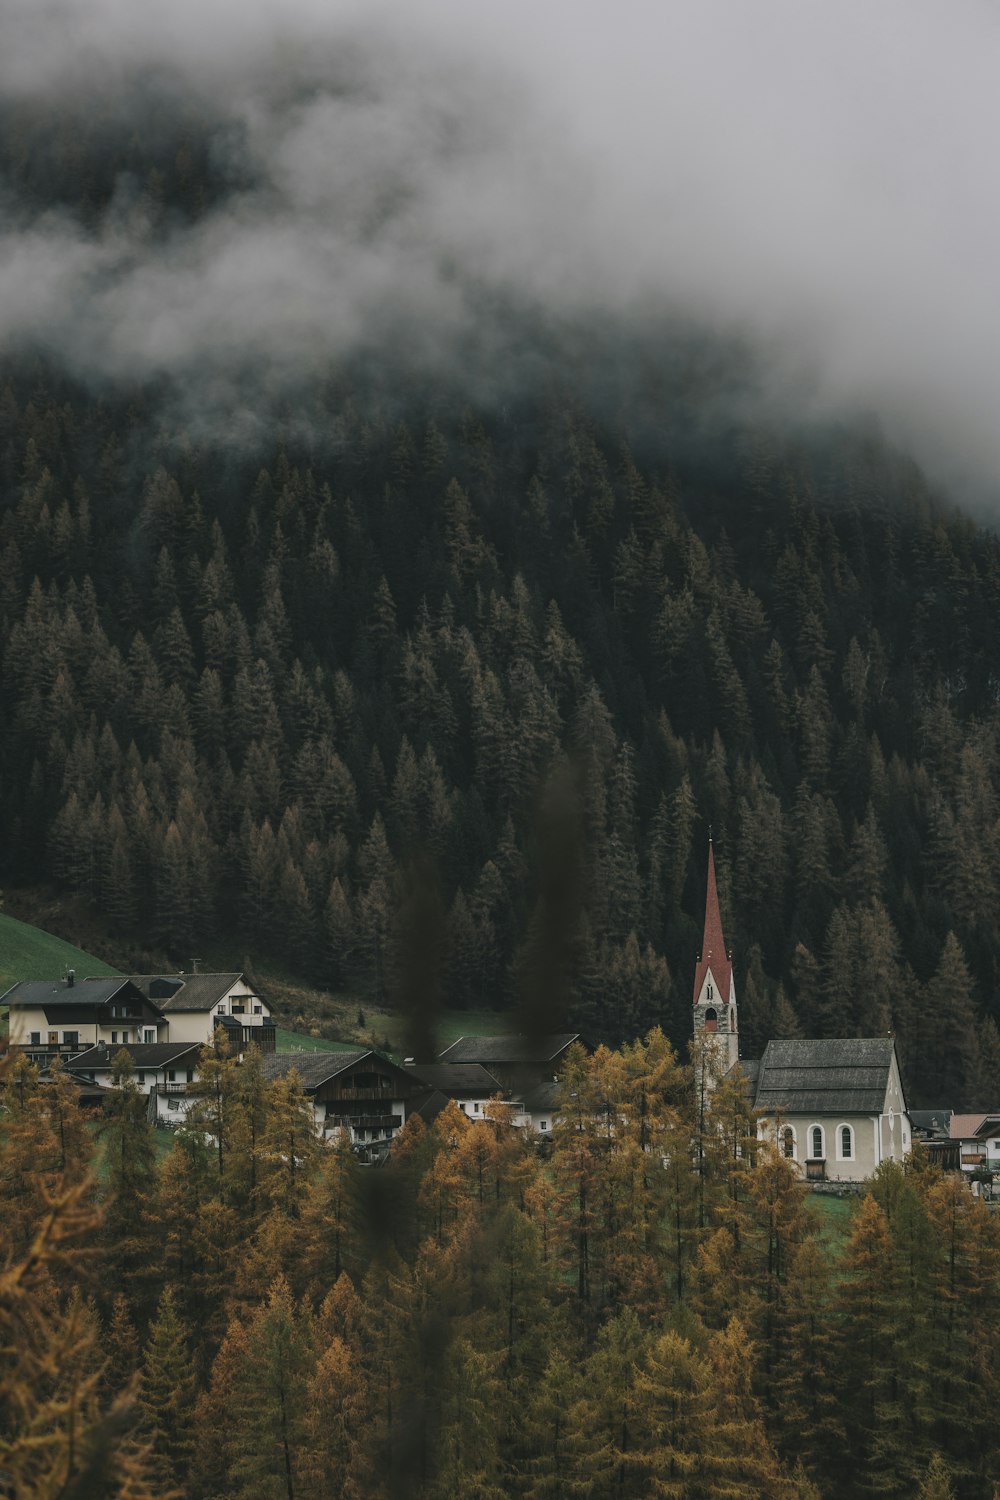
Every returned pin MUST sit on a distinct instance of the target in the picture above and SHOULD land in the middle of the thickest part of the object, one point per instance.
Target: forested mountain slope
(443, 678)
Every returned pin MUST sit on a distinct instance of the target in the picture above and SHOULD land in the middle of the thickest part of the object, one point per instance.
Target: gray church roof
(833, 1076)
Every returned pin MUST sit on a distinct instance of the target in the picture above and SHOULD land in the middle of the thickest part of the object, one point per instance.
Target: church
(835, 1106)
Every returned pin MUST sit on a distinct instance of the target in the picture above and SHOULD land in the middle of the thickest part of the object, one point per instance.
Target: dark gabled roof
(193, 991)
(314, 1068)
(493, 1050)
(51, 993)
(831, 1076)
(456, 1078)
(430, 1105)
(143, 1054)
(541, 1096)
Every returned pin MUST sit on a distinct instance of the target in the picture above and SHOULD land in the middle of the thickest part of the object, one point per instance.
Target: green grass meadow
(834, 1216)
(299, 1041)
(29, 953)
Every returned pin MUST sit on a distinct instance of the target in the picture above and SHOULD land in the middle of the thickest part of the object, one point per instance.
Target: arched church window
(788, 1143)
(708, 992)
(711, 1020)
(817, 1142)
(846, 1142)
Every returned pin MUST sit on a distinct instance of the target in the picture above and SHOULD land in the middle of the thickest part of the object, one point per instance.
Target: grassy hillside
(384, 1027)
(300, 1041)
(29, 953)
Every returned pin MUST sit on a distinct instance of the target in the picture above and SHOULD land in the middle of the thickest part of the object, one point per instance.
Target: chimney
(70, 978)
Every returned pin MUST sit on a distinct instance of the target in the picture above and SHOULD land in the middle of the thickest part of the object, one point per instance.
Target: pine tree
(130, 1154)
(121, 1346)
(936, 1483)
(266, 1404)
(289, 1146)
(338, 1461)
(948, 1028)
(168, 1394)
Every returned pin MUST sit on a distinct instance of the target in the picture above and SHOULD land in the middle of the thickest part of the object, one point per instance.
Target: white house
(361, 1092)
(163, 1071)
(470, 1085)
(195, 1004)
(59, 1017)
(978, 1140)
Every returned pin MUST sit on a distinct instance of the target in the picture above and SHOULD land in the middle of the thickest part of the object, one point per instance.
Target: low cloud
(814, 179)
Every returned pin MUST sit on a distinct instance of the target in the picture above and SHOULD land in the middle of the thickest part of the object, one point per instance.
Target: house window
(114, 1037)
(140, 1077)
(788, 1143)
(222, 1010)
(35, 1039)
(171, 1076)
(258, 1010)
(149, 1036)
(711, 1020)
(476, 1107)
(846, 1143)
(817, 1142)
(543, 1124)
(71, 1039)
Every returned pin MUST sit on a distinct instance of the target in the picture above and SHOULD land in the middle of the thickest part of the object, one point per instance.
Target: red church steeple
(714, 954)
(714, 991)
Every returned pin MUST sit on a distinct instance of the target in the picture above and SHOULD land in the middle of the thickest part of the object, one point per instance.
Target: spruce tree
(168, 1394)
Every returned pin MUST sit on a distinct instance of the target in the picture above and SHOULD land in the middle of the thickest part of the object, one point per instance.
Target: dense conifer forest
(510, 663)
(648, 1310)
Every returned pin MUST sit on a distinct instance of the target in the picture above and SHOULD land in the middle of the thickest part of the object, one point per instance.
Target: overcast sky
(818, 176)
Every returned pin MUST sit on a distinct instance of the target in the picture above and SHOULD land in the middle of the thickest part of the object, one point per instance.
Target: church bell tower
(715, 1011)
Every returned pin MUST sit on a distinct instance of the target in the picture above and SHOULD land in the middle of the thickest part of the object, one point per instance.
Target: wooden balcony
(392, 1090)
